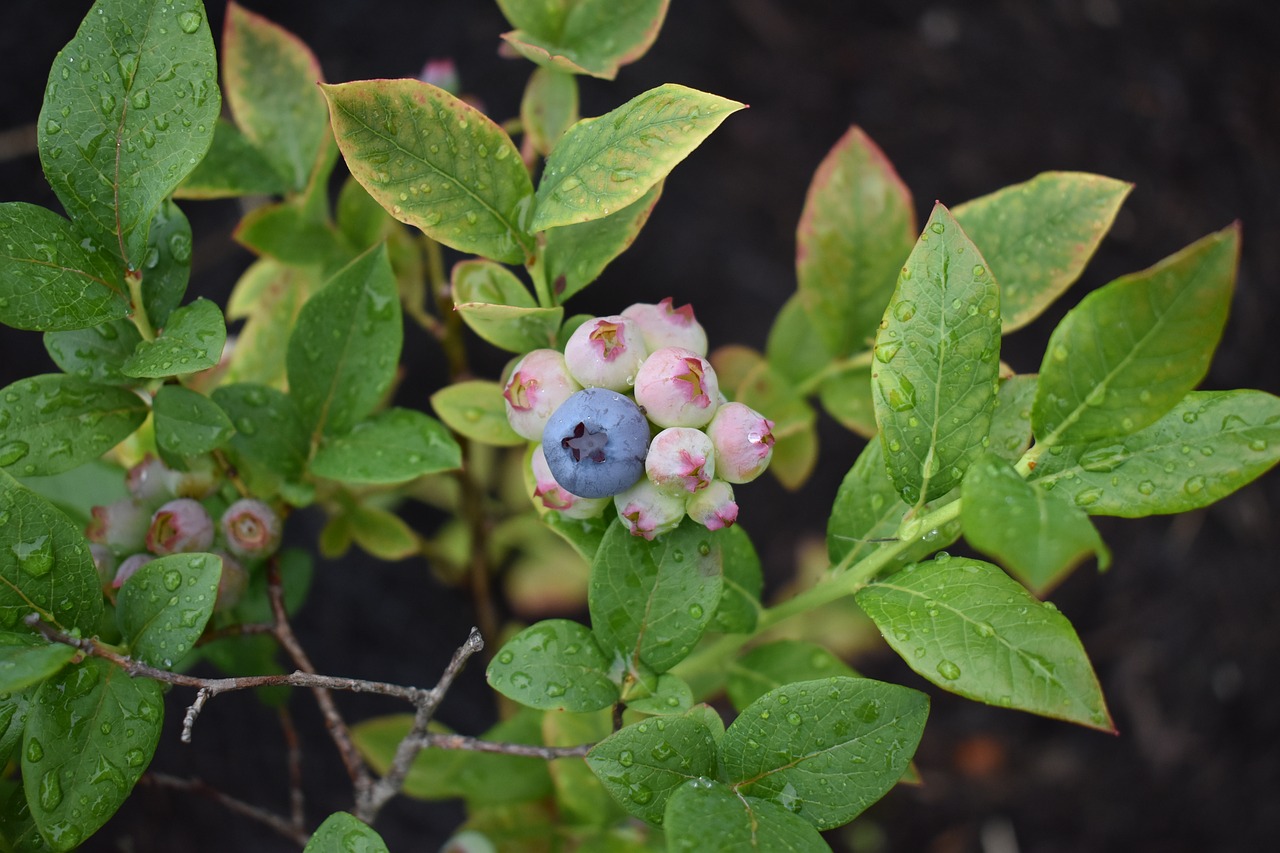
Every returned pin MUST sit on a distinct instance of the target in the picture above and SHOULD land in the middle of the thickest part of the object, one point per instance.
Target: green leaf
(781, 662)
(584, 534)
(166, 267)
(1206, 447)
(641, 764)
(76, 492)
(739, 607)
(436, 163)
(360, 218)
(53, 422)
(383, 534)
(937, 357)
(288, 233)
(271, 79)
(341, 832)
(554, 665)
(475, 409)
(19, 833)
(794, 349)
(187, 423)
(548, 108)
(857, 228)
(485, 281)
(671, 695)
(53, 278)
(650, 601)
(847, 397)
(971, 629)
(25, 660)
(498, 308)
(576, 255)
(345, 347)
(296, 570)
(232, 168)
(710, 817)
(13, 719)
(163, 607)
(586, 36)
(128, 112)
(1039, 235)
(90, 734)
(393, 446)
(269, 296)
(1010, 434)
(192, 341)
(269, 446)
(95, 354)
(580, 798)
(1038, 536)
(604, 164)
(1131, 350)
(825, 750)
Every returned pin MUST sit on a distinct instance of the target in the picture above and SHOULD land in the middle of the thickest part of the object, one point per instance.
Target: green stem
(833, 368)
(139, 314)
(538, 273)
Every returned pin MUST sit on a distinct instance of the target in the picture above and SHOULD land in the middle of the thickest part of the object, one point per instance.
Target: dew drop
(13, 451)
(937, 228)
(50, 791)
(555, 689)
(1088, 497)
(1146, 487)
(140, 99)
(189, 21)
(695, 611)
(984, 630)
(172, 579)
(794, 719)
(948, 670)
(35, 751)
(1194, 485)
(506, 657)
(904, 310)
(626, 758)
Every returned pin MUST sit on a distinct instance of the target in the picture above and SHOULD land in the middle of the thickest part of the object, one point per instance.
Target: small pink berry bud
(538, 385)
(677, 388)
(442, 73)
(557, 497)
(180, 527)
(251, 528)
(681, 461)
(744, 442)
(232, 583)
(120, 525)
(648, 512)
(104, 561)
(128, 567)
(606, 352)
(664, 325)
(713, 507)
(150, 481)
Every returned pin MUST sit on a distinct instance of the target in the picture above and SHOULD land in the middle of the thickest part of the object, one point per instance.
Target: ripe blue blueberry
(596, 442)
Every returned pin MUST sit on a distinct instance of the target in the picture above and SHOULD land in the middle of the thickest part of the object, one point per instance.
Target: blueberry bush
(147, 486)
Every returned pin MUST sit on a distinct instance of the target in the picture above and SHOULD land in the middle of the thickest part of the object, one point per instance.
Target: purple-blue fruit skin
(608, 435)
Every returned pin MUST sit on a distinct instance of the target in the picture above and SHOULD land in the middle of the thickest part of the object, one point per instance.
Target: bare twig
(239, 629)
(195, 786)
(548, 753)
(297, 801)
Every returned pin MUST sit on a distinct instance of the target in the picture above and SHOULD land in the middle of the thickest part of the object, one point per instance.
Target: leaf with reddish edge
(436, 163)
(856, 231)
(271, 77)
(593, 37)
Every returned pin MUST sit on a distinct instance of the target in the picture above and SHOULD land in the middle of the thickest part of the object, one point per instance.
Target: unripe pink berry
(538, 385)
(150, 481)
(648, 512)
(128, 567)
(557, 497)
(677, 388)
(251, 529)
(664, 325)
(606, 352)
(180, 526)
(231, 584)
(681, 461)
(120, 525)
(713, 507)
(744, 442)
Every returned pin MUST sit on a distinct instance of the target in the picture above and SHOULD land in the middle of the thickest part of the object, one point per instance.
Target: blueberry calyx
(584, 443)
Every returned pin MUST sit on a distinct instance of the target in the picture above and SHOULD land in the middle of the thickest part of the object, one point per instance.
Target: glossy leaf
(937, 356)
(1131, 350)
(1010, 434)
(1039, 235)
(554, 665)
(487, 282)
(129, 111)
(847, 397)
(393, 446)
(95, 354)
(192, 341)
(271, 79)
(650, 601)
(233, 167)
(856, 230)
(163, 607)
(91, 732)
(586, 36)
(475, 409)
(52, 278)
(641, 764)
(270, 444)
(827, 749)
(383, 534)
(781, 662)
(25, 661)
(1206, 447)
(671, 695)
(576, 255)
(740, 606)
(971, 629)
(436, 163)
(604, 164)
(498, 308)
(710, 817)
(345, 346)
(549, 107)
(166, 267)
(288, 233)
(269, 296)
(794, 349)
(54, 422)
(187, 423)
(344, 833)
(1035, 534)
(13, 719)
(76, 492)
(583, 534)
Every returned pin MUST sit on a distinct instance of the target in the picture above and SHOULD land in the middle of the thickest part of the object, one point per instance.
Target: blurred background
(1181, 97)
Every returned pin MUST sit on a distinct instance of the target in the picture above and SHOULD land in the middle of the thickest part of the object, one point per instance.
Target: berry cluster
(632, 411)
(171, 512)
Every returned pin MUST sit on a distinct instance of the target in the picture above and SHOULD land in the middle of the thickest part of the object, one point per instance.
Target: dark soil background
(1179, 96)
